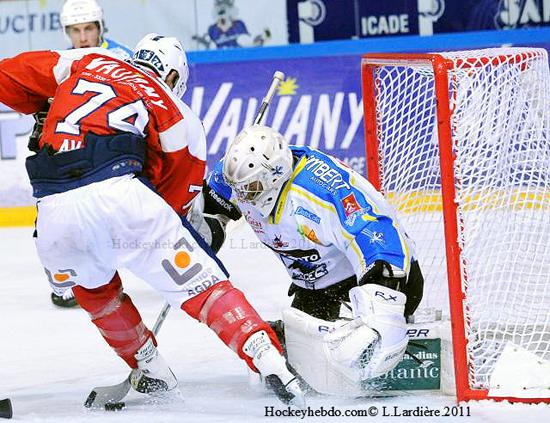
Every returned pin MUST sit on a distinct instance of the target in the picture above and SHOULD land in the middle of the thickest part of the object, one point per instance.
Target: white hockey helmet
(257, 164)
(162, 55)
(82, 11)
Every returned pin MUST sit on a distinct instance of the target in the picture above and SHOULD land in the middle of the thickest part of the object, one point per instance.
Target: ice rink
(51, 358)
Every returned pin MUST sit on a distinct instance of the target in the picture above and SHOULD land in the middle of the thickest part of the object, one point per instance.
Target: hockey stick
(102, 396)
(6, 412)
(278, 77)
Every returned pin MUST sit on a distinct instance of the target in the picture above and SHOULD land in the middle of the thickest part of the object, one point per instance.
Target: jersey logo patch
(279, 243)
(308, 233)
(375, 237)
(350, 204)
(256, 225)
(303, 266)
(307, 214)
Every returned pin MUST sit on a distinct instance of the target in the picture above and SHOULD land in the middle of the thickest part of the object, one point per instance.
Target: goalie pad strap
(116, 317)
(225, 310)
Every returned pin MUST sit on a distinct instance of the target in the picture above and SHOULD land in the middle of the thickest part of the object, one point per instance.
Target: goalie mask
(257, 164)
(162, 55)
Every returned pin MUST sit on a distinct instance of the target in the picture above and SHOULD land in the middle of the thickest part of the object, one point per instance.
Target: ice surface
(51, 357)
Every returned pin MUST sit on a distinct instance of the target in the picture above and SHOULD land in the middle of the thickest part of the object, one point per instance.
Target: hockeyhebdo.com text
(370, 411)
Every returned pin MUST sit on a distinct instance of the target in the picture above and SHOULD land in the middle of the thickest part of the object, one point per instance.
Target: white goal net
(498, 117)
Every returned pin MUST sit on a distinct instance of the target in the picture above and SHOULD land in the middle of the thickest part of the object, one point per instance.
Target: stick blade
(107, 394)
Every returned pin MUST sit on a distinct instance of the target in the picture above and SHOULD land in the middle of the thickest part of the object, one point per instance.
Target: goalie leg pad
(116, 317)
(225, 310)
(310, 355)
(381, 309)
(349, 343)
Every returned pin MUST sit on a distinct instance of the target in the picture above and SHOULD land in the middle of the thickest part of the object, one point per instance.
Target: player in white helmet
(84, 25)
(172, 59)
(339, 240)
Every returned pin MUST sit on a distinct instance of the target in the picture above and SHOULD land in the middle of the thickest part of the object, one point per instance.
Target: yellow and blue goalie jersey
(328, 224)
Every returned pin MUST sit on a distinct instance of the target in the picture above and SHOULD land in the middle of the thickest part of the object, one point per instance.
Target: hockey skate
(153, 376)
(272, 366)
(66, 300)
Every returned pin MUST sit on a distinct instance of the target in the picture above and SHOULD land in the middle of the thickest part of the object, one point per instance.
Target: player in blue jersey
(338, 238)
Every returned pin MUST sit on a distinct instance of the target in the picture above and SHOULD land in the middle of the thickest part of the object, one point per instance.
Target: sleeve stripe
(174, 138)
(282, 200)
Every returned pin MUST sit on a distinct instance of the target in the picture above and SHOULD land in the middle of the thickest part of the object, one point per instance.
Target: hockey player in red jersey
(117, 147)
(84, 26)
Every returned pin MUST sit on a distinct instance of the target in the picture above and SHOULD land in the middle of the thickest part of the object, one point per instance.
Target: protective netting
(500, 124)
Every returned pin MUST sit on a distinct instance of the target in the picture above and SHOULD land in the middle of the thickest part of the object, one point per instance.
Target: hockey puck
(6, 411)
(114, 406)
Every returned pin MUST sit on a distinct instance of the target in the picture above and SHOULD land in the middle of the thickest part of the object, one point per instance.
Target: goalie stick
(104, 396)
(278, 77)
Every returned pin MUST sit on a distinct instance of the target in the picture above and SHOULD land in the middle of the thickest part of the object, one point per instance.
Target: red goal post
(459, 142)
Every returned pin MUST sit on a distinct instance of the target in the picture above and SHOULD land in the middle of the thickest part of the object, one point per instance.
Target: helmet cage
(261, 188)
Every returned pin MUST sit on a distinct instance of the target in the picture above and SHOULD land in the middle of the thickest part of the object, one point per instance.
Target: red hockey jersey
(93, 91)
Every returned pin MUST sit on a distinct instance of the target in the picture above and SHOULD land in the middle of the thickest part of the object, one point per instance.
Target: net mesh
(500, 124)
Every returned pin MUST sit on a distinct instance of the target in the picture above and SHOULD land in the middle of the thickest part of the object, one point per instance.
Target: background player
(83, 25)
(102, 206)
(336, 235)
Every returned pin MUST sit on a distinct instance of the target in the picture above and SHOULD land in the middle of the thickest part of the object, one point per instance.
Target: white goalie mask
(257, 164)
(81, 11)
(162, 55)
